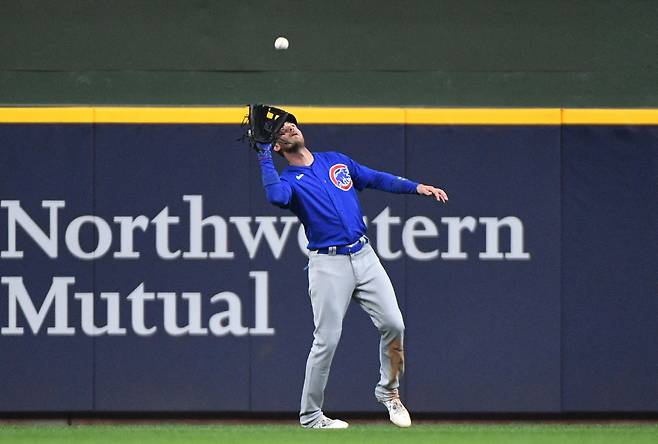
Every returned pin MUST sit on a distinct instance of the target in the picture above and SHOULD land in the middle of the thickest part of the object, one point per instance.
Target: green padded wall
(425, 53)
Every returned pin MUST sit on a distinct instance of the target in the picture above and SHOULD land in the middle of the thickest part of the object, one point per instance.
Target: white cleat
(328, 423)
(398, 413)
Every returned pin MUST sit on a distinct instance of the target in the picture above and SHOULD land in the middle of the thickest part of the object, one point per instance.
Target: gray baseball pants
(334, 280)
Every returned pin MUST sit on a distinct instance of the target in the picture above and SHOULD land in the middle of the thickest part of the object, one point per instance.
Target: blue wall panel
(139, 171)
(610, 253)
(46, 162)
(570, 328)
(484, 335)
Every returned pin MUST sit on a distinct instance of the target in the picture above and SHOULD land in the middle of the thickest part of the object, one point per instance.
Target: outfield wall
(532, 290)
(474, 53)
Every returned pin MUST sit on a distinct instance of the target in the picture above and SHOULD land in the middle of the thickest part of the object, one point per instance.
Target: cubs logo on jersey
(340, 176)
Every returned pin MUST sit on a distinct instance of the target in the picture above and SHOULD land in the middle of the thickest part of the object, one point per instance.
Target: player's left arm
(364, 177)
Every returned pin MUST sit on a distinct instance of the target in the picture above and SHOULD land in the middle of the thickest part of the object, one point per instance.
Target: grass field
(357, 433)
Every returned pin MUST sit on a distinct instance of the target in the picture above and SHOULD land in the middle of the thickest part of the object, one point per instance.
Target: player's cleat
(328, 423)
(398, 413)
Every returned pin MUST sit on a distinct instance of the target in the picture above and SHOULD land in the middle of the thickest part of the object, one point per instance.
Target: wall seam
(93, 279)
(561, 163)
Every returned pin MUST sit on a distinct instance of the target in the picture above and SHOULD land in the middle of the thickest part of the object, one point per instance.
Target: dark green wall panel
(446, 52)
(349, 88)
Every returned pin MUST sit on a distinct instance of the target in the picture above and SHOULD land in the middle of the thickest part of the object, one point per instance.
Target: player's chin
(293, 147)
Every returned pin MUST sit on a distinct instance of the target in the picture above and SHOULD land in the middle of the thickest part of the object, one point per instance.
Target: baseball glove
(264, 123)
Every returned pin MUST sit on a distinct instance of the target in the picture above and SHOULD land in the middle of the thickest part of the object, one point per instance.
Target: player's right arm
(365, 177)
(278, 192)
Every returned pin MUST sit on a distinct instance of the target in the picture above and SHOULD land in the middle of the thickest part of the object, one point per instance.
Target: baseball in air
(281, 43)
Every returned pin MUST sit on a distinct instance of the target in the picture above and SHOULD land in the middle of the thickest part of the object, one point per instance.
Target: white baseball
(281, 43)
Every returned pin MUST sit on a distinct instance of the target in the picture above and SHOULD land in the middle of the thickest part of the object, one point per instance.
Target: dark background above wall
(432, 53)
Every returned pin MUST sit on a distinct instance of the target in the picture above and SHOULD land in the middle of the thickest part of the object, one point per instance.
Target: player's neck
(302, 157)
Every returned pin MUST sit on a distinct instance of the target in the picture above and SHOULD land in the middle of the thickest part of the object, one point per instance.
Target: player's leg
(331, 283)
(375, 293)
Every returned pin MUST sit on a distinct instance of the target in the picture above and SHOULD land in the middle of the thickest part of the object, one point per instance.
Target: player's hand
(429, 190)
(264, 150)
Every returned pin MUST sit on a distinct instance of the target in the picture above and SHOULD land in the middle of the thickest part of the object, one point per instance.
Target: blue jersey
(323, 195)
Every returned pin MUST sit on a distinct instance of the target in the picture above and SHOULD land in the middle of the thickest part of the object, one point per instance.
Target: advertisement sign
(143, 270)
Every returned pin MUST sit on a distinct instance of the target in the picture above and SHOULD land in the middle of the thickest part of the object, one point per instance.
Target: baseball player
(320, 188)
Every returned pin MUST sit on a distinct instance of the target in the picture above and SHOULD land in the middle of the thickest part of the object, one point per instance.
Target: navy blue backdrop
(560, 315)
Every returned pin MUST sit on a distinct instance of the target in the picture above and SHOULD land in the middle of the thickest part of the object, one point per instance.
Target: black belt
(345, 249)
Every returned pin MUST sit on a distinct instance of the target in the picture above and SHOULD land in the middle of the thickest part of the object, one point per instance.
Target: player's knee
(327, 339)
(332, 340)
(393, 327)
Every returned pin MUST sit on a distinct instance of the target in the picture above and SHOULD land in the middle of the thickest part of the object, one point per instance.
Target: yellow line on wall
(610, 116)
(348, 115)
(333, 115)
(169, 114)
(47, 115)
(484, 116)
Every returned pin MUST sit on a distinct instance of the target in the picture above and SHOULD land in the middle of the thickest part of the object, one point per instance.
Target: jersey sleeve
(277, 190)
(364, 177)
